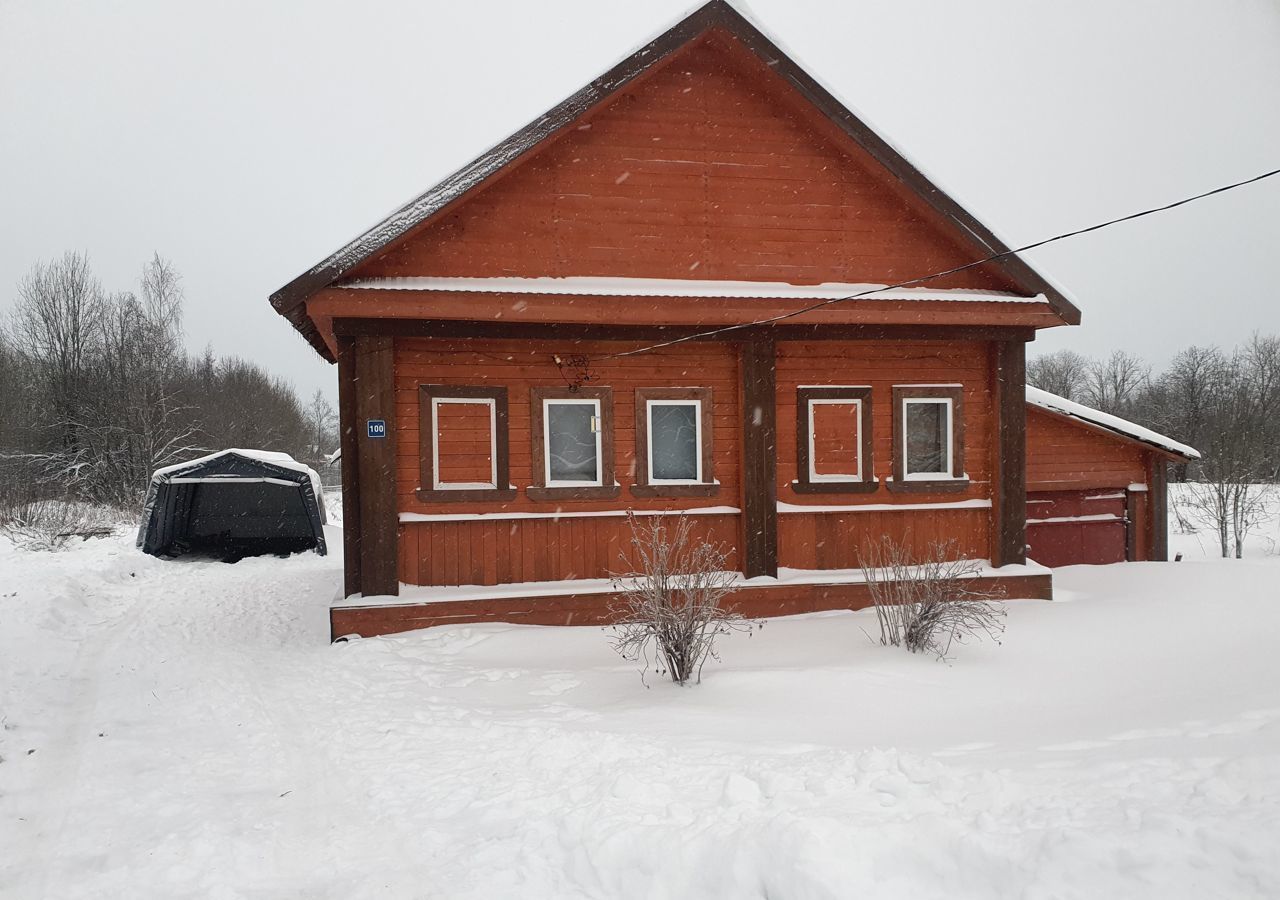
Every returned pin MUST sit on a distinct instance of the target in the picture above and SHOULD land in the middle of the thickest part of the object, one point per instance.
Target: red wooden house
(606, 312)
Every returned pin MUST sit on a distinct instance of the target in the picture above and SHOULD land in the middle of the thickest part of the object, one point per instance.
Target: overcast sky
(247, 140)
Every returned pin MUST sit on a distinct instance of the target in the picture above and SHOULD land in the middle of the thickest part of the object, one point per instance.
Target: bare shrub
(671, 607)
(50, 524)
(926, 605)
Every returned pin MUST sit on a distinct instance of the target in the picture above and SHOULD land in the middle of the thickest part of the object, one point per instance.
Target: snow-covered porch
(587, 601)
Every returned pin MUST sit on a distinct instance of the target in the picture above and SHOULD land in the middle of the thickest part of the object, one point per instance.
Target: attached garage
(1096, 484)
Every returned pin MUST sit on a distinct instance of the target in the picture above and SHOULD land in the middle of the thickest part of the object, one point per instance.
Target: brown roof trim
(289, 300)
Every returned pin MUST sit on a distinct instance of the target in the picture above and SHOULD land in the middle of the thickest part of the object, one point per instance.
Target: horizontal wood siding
(512, 550)
(883, 364)
(1063, 455)
(836, 540)
(710, 167)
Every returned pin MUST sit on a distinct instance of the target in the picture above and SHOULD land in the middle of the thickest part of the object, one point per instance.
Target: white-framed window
(835, 439)
(674, 437)
(464, 452)
(927, 446)
(573, 448)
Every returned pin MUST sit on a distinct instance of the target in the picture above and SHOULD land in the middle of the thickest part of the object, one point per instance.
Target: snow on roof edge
(1061, 405)
(273, 457)
(674, 287)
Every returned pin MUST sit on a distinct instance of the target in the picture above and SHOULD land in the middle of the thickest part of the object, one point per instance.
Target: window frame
(542, 487)
(807, 481)
(430, 489)
(954, 479)
(645, 484)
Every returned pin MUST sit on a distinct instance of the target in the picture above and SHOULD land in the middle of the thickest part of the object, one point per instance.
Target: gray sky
(247, 140)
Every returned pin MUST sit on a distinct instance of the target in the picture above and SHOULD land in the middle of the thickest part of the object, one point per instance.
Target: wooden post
(350, 466)
(1158, 508)
(1009, 481)
(376, 469)
(759, 458)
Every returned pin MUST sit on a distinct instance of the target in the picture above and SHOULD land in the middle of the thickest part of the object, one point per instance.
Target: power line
(914, 281)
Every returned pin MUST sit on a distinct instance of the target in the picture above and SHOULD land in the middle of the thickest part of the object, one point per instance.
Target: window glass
(573, 451)
(464, 443)
(674, 441)
(927, 428)
(833, 431)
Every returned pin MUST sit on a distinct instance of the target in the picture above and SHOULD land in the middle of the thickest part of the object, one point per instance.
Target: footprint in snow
(554, 685)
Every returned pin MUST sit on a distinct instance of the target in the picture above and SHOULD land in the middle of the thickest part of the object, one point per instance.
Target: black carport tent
(234, 503)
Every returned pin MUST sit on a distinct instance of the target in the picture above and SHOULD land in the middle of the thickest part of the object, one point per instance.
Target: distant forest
(97, 390)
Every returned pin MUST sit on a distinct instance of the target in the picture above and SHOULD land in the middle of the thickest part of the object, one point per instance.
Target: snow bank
(1065, 407)
(185, 731)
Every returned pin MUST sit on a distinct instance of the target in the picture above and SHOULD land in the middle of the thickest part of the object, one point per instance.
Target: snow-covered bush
(925, 605)
(50, 524)
(669, 609)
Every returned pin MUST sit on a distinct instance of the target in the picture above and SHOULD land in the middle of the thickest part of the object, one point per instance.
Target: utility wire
(902, 284)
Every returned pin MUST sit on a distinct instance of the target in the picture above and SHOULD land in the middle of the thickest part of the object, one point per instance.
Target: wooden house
(624, 306)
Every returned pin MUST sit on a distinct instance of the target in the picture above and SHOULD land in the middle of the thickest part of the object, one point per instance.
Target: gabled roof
(1078, 412)
(716, 14)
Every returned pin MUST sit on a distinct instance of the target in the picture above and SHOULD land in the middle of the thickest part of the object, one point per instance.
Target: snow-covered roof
(688, 287)
(1064, 407)
(289, 301)
(283, 460)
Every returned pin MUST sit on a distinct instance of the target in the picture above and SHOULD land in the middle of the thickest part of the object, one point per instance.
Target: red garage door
(1067, 528)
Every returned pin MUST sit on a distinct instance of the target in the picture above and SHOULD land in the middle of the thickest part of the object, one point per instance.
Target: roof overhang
(1112, 426)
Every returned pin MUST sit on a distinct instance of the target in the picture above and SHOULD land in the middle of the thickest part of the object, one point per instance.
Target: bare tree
(925, 605)
(1185, 395)
(1113, 384)
(1063, 372)
(670, 598)
(1233, 487)
(323, 423)
(57, 321)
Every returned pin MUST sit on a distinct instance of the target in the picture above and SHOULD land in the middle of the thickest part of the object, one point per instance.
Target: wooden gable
(708, 154)
(710, 167)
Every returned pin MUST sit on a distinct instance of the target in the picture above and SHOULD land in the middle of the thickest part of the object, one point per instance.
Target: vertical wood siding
(711, 167)
(841, 540)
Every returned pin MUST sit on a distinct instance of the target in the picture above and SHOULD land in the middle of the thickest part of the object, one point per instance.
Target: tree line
(1225, 403)
(97, 390)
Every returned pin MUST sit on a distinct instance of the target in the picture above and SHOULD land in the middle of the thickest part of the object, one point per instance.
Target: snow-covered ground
(183, 729)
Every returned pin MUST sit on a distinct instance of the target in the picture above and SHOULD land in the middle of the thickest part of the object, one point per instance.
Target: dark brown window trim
(608, 489)
(802, 483)
(427, 491)
(708, 487)
(899, 483)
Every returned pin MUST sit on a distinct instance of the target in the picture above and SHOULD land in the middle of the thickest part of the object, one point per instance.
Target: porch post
(759, 458)
(376, 468)
(1158, 506)
(1009, 474)
(350, 445)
